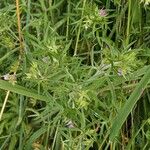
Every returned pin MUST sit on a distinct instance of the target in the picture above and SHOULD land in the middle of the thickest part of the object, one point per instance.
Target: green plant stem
(128, 23)
(79, 30)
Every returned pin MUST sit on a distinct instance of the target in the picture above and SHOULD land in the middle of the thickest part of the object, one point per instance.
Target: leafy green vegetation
(74, 74)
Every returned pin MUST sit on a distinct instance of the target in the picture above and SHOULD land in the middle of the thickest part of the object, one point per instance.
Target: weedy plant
(74, 74)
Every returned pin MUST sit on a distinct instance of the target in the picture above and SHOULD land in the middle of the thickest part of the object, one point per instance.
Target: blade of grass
(127, 108)
(128, 23)
(21, 90)
(7, 55)
(35, 136)
(79, 29)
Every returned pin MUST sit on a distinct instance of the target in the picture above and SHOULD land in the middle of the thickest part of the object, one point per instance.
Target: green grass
(74, 75)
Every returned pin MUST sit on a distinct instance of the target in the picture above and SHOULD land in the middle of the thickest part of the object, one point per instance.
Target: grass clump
(74, 75)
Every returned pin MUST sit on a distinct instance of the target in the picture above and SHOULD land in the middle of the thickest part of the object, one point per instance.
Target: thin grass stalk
(19, 35)
(118, 20)
(4, 104)
(130, 143)
(68, 20)
(19, 26)
(28, 14)
(79, 30)
(128, 23)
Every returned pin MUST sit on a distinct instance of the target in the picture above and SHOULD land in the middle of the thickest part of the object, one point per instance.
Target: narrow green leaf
(13, 142)
(127, 108)
(35, 136)
(7, 55)
(59, 24)
(21, 90)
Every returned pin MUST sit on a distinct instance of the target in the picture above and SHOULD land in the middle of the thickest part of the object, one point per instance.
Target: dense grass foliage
(74, 74)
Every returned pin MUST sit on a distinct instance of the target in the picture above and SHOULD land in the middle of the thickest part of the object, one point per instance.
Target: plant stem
(4, 104)
(128, 23)
(79, 30)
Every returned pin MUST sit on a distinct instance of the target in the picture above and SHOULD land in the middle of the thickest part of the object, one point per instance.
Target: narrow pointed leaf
(5, 85)
(127, 108)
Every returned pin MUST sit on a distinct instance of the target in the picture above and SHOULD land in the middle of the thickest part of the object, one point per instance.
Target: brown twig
(19, 27)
